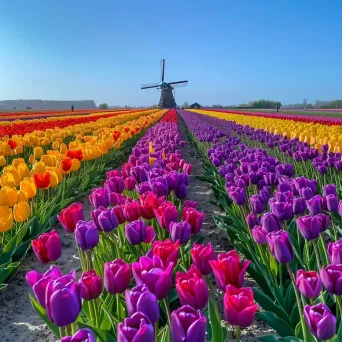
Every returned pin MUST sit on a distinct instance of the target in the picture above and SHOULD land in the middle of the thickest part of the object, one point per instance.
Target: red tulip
(70, 216)
(167, 251)
(229, 270)
(194, 217)
(42, 180)
(239, 306)
(47, 247)
(201, 256)
(66, 164)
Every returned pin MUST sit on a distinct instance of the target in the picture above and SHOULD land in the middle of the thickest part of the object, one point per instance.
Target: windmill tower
(167, 99)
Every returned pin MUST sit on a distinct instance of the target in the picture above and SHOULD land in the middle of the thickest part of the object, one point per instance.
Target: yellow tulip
(28, 186)
(21, 196)
(151, 160)
(53, 179)
(19, 149)
(55, 145)
(38, 167)
(49, 160)
(23, 170)
(32, 160)
(6, 219)
(38, 152)
(6, 150)
(13, 170)
(7, 179)
(17, 161)
(63, 148)
(76, 164)
(2, 161)
(8, 196)
(21, 211)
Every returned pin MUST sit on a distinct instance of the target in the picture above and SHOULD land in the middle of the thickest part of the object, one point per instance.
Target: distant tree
(185, 105)
(266, 104)
(103, 106)
(217, 106)
(28, 107)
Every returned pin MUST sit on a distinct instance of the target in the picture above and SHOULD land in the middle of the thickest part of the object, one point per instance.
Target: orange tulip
(28, 186)
(8, 196)
(21, 196)
(2, 161)
(6, 219)
(21, 211)
(38, 152)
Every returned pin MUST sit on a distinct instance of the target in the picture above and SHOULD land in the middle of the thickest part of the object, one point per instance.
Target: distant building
(195, 106)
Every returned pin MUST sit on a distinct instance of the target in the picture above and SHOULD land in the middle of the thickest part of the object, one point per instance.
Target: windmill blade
(179, 83)
(151, 85)
(162, 70)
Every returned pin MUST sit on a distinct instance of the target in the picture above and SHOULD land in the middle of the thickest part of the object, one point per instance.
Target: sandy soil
(18, 320)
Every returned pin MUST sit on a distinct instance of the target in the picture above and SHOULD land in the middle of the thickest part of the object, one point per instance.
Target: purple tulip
(331, 277)
(190, 204)
(320, 320)
(299, 205)
(308, 283)
(97, 198)
(86, 235)
(137, 232)
(83, 335)
(63, 301)
(180, 231)
(330, 203)
(237, 194)
(259, 235)
(270, 222)
(172, 179)
(140, 299)
(187, 324)
(314, 204)
(38, 282)
(136, 328)
(306, 193)
(311, 226)
(154, 275)
(329, 189)
(283, 210)
(252, 220)
(114, 198)
(280, 246)
(335, 252)
(143, 187)
(114, 184)
(181, 191)
(159, 186)
(117, 276)
(257, 204)
(107, 220)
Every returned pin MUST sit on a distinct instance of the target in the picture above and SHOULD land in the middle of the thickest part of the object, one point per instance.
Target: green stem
(298, 300)
(118, 306)
(61, 332)
(339, 304)
(238, 334)
(167, 309)
(156, 330)
(317, 255)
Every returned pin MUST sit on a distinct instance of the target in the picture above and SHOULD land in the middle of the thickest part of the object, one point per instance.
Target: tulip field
(147, 270)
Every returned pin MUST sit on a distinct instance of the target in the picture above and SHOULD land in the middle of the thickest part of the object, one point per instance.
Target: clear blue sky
(230, 51)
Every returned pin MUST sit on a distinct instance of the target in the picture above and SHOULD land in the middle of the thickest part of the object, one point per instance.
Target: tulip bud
(335, 252)
(63, 301)
(90, 285)
(140, 299)
(167, 251)
(320, 320)
(21, 211)
(201, 256)
(107, 220)
(259, 235)
(131, 210)
(190, 204)
(331, 277)
(257, 204)
(239, 306)
(314, 204)
(252, 220)
(192, 289)
(97, 198)
(180, 231)
(86, 235)
(47, 247)
(308, 283)
(83, 335)
(311, 226)
(187, 324)
(330, 203)
(70, 216)
(229, 270)
(130, 183)
(136, 328)
(137, 232)
(117, 276)
(282, 210)
(154, 275)
(298, 205)
(280, 246)
(237, 194)
(165, 214)
(270, 222)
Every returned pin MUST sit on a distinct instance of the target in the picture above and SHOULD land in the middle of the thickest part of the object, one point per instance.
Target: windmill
(167, 99)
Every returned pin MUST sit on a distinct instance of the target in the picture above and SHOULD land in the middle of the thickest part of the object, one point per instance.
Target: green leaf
(101, 335)
(164, 335)
(215, 322)
(278, 324)
(42, 313)
(273, 338)
(268, 305)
